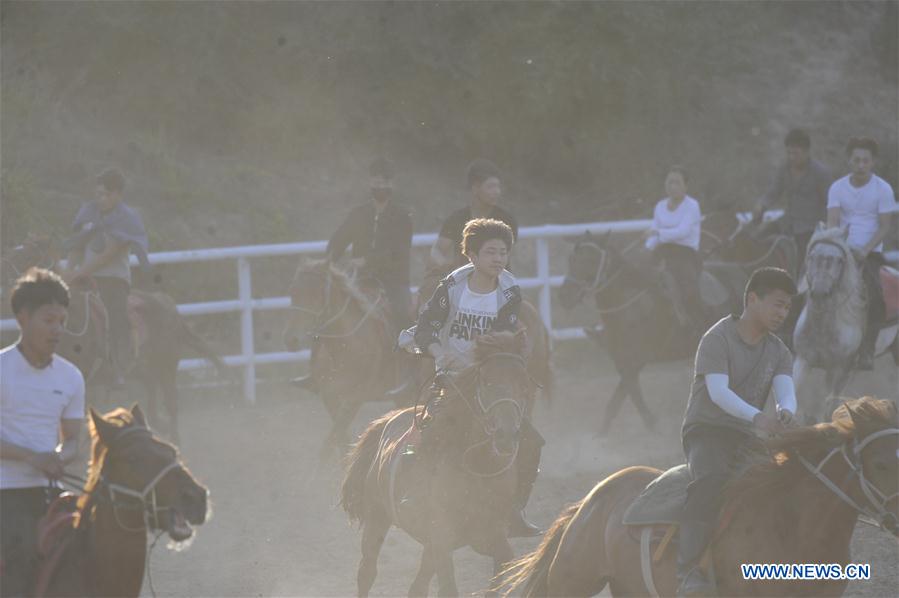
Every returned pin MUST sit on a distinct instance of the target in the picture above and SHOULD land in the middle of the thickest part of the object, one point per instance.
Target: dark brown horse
(639, 324)
(800, 507)
(354, 360)
(456, 492)
(137, 485)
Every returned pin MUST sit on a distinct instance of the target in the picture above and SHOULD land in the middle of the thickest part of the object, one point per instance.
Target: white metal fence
(246, 304)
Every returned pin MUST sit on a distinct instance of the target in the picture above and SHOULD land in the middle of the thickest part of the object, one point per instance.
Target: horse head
(310, 297)
(502, 387)
(139, 473)
(588, 267)
(864, 434)
(830, 263)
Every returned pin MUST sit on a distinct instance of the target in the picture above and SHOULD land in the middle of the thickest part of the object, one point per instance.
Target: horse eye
(880, 466)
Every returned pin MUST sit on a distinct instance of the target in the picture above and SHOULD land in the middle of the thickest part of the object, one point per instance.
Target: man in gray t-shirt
(738, 362)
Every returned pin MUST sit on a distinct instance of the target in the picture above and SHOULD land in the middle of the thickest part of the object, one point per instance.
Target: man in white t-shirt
(42, 408)
(864, 203)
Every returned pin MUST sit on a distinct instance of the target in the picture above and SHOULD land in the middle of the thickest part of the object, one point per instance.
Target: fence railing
(246, 304)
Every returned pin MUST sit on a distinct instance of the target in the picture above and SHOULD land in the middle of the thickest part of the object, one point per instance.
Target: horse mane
(344, 281)
(492, 343)
(853, 418)
(120, 418)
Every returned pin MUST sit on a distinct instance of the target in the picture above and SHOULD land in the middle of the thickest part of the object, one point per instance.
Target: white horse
(830, 327)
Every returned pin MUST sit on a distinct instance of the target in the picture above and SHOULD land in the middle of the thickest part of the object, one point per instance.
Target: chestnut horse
(800, 507)
(136, 485)
(456, 490)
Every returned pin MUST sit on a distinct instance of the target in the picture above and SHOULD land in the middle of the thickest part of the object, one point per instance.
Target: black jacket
(384, 242)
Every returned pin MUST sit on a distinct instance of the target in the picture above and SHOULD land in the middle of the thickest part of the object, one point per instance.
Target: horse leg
(805, 401)
(636, 395)
(422, 581)
(613, 406)
(375, 529)
(440, 538)
(502, 557)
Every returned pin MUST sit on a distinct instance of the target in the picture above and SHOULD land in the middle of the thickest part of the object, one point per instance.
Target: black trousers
(114, 293)
(876, 307)
(20, 511)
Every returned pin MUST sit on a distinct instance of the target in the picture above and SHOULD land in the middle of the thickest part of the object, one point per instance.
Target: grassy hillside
(248, 122)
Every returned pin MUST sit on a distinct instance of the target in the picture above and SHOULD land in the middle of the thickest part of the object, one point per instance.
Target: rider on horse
(486, 191)
(107, 231)
(474, 299)
(800, 184)
(42, 400)
(864, 202)
(674, 241)
(737, 363)
(380, 232)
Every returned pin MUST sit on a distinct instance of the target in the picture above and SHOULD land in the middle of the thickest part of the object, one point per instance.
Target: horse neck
(118, 555)
(345, 312)
(625, 286)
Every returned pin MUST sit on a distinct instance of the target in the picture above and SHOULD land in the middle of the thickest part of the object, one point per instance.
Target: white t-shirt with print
(475, 315)
(860, 207)
(32, 403)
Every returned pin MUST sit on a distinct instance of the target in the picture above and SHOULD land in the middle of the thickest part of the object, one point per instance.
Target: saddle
(889, 281)
(55, 531)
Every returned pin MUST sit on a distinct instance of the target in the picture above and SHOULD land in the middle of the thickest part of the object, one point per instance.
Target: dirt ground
(274, 533)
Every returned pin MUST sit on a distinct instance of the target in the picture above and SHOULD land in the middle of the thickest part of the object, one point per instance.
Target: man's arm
(442, 254)
(49, 463)
(883, 229)
(70, 430)
(683, 228)
(342, 237)
(834, 211)
(114, 249)
(785, 396)
(728, 400)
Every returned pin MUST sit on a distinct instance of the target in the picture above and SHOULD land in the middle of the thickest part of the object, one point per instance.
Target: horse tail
(530, 572)
(358, 463)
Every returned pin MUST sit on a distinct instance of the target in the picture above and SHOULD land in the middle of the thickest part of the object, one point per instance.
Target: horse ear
(138, 415)
(102, 428)
(821, 226)
(845, 229)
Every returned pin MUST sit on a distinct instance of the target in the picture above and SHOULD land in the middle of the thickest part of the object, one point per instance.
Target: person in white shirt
(864, 203)
(42, 405)
(674, 241)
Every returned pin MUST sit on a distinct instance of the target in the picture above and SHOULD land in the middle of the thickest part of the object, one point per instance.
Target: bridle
(321, 319)
(846, 257)
(598, 285)
(875, 497)
(122, 498)
(481, 413)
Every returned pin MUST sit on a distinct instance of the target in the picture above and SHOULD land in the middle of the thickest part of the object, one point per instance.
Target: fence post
(245, 295)
(545, 306)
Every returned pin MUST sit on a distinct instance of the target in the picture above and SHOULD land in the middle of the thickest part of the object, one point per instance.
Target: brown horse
(354, 360)
(800, 507)
(461, 488)
(159, 339)
(136, 485)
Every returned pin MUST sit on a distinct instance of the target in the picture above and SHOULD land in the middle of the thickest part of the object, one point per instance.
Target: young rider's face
(861, 162)
(489, 192)
(675, 186)
(108, 199)
(492, 258)
(771, 310)
(42, 329)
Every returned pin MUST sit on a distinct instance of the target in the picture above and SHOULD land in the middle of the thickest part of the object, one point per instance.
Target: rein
(319, 329)
(876, 499)
(596, 286)
(481, 414)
